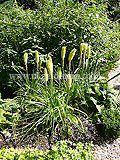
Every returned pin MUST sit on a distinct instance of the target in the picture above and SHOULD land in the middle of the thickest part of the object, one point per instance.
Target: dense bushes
(53, 25)
(111, 121)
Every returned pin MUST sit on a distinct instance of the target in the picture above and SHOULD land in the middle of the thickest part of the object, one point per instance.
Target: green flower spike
(71, 55)
(63, 52)
(49, 66)
(59, 73)
(69, 80)
(37, 58)
(25, 59)
(83, 48)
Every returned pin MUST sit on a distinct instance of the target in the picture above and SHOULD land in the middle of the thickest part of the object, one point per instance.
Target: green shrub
(110, 118)
(61, 150)
(9, 113)
(91, 97)
(6, 4)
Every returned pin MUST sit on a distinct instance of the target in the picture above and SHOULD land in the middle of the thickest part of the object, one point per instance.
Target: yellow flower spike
(63, 52)
(49, 65)
(59, 73)
(25, 58)
(71, 55)
(45, 75)
(36, 58)
(88, 52)
(81, 47)
(85, 47)
(84, 53)
(69, 80)
(50, 59)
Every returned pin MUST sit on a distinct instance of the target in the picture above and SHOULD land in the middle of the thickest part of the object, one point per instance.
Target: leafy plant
(110, 118)
(6, 4)
(46, 106)
(61, 150)
(57, 104)
(9, 113)
(9, 116)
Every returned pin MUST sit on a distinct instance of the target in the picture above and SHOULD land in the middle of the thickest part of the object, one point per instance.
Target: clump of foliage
(45, 101)
(6, 4)
(9, 113)
(61, 150)
(55, 104)
(111, 120)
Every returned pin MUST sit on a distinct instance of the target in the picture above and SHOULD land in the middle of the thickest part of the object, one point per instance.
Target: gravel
(110, 151)
(107, 151)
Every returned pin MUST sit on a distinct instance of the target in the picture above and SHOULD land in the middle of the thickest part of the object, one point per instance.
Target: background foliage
(53, 25)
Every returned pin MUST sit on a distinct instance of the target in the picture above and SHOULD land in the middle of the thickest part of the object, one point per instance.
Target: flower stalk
(59, 73)
(83, 49)
(88, 52)
(88, 55)
(69, 80)
(71, 56)
(25, 60)
(37, 58)
(84, 54)
(49, 66)
(63, 52)
(45, 75)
